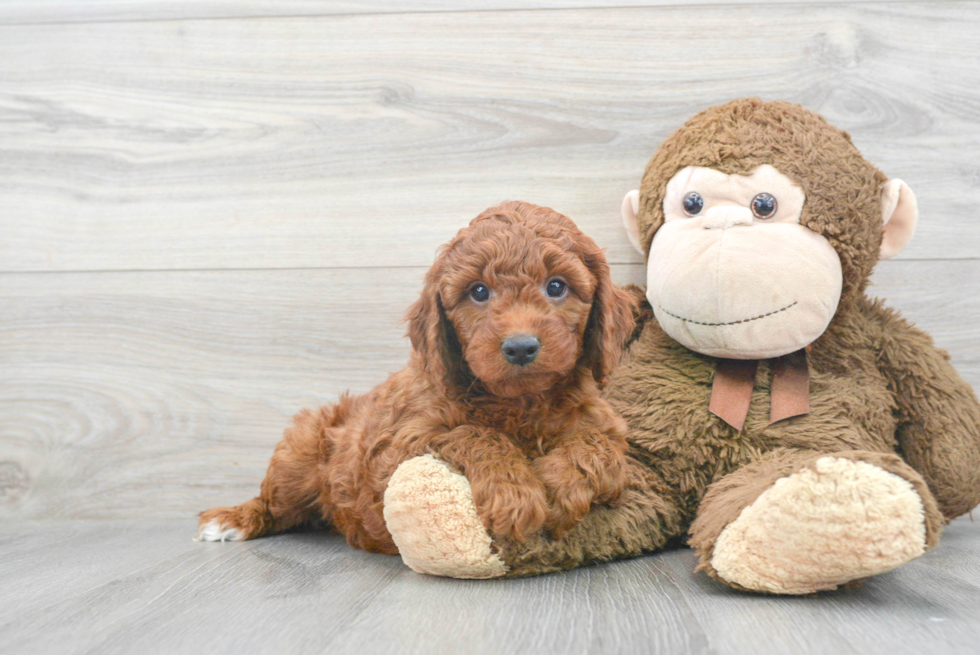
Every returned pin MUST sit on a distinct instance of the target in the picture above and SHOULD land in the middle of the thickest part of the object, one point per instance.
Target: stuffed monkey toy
(798, 434)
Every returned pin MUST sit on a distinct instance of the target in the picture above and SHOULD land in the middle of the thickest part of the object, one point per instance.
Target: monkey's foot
(840, 521)
(430, 514)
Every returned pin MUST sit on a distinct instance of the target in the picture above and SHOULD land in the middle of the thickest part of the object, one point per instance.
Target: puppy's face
(519, 300)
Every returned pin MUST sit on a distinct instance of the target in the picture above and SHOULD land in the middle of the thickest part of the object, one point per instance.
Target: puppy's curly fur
(537, 443)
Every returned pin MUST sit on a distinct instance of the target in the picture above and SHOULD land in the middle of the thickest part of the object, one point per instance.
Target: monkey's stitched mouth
(744, 320)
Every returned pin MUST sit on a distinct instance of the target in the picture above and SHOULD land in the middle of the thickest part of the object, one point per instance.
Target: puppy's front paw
(511, 509)
(573, 487)
(571, 500)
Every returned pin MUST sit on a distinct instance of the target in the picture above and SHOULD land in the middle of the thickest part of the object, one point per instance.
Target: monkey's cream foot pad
(430, 514)
(822, 527)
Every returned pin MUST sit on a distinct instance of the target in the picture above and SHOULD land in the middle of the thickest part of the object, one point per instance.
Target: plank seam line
(236, 269)
(673, 5)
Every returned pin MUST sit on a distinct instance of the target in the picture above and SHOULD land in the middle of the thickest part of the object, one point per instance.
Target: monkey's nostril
(724, 217)
(520, 349)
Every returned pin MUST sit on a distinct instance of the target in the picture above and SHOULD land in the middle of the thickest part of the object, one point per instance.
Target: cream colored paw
(817, 529)
(215, 531)
(430, 514)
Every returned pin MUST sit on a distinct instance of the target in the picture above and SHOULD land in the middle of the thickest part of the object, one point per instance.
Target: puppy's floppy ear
(435, 339)
(611, 320)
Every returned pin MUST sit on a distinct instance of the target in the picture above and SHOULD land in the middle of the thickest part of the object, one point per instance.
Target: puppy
(517, 325)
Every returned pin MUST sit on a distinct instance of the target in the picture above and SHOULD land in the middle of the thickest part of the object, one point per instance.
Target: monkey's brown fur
(537, 442)
(881, 392)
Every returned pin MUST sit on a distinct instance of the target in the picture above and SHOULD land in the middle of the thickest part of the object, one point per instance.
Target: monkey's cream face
(732, 273)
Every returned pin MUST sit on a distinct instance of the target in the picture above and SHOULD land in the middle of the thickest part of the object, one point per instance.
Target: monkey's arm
(939, 429)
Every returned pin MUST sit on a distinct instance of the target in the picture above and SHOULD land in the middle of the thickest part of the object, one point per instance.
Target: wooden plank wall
(213, 214)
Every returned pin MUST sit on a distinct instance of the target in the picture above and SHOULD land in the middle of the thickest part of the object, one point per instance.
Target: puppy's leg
(510, 499)
(291, 490)
(583, 469)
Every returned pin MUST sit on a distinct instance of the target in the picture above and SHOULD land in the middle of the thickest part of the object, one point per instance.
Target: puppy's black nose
(520, 349)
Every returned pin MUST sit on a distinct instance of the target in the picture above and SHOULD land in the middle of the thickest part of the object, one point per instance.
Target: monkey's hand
(939, 416)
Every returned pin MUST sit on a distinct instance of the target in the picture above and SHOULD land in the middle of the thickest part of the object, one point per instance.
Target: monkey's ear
(631, 207)
(899, 214)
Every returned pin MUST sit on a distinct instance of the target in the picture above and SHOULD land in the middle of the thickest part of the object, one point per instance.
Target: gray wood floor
(144, 587)
(214, 213)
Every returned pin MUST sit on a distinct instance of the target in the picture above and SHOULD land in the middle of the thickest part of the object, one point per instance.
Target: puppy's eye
(693, 203)
(764, 205)
(556, 287)
(480, 292)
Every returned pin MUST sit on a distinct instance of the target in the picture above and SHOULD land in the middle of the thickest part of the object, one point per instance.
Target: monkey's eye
(764, 205)
(556, 287)
(480, 292)
(693, 203)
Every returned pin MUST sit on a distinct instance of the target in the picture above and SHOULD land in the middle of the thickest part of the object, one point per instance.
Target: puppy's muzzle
(520, 349)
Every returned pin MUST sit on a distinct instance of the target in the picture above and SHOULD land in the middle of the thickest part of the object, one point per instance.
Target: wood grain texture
(19, 12)
(143, 586)
(159, 394)
(367, 140)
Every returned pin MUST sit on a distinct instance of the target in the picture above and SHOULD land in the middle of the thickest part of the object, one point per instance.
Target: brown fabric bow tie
(731, 388)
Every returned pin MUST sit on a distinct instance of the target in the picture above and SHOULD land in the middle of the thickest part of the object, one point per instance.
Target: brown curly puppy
(516, 326)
